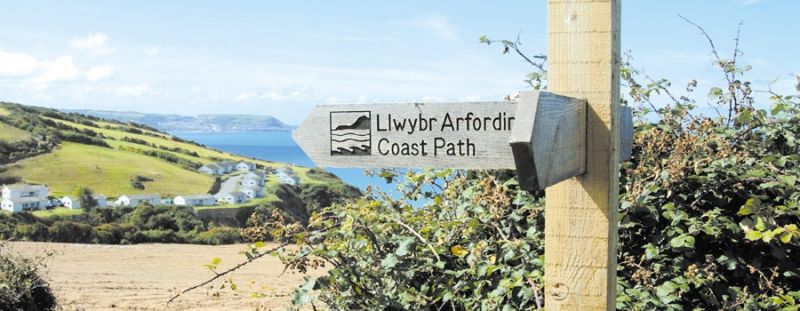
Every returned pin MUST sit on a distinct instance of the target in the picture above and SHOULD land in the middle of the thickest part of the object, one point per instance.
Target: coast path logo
(351, 133)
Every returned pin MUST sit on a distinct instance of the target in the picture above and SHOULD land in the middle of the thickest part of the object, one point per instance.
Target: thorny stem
(423, 240)
(219, 275)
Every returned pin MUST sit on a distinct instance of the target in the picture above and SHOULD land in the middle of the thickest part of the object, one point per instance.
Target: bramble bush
(708, 217)
(21, 285)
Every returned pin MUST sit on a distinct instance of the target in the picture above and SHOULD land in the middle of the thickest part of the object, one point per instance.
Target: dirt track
(144, 277)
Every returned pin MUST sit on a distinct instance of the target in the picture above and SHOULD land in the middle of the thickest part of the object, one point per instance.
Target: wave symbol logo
(351, 133)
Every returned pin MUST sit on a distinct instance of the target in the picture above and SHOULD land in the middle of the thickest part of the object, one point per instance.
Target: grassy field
(205, 153)
(144, 276)
(61, 211)
(107, 171)
(12, 134)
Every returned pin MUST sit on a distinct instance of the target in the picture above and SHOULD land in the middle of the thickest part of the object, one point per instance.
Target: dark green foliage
(81, 138)
(218, 236)
(329, 191)
(70, 232)
(709, 219)
(135, 140)
(119, 225)
(180, 150)
(215, 186)
(166, 156)
(132, 130)
(21, 286)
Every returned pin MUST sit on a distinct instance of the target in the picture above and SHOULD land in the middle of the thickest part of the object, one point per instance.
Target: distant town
(243, 182)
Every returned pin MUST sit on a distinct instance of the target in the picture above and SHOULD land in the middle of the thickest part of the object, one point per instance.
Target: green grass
(60, 211)
(4, 112)
(267, 199)
(205, 154)
(11, 134)
(107, 171)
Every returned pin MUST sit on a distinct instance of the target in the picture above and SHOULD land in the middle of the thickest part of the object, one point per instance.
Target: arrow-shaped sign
(542, 135)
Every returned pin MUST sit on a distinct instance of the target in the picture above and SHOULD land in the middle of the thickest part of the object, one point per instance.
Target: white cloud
(95, 43)
(152, 51)
(60, 69)
(100, 72)
(436, 24)
(134, 90)
(294, 93)
(17, 64)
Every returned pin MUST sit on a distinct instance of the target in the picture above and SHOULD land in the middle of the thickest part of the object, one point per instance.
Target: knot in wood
(559, 291)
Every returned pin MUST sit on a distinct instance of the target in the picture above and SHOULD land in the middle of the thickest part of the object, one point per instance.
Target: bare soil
(146, 276)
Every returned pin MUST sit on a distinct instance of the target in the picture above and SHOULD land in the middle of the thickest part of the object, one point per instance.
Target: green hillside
(64, 150)
(107, 171)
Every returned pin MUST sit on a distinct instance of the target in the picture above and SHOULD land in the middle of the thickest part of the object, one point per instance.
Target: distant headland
(197, 123)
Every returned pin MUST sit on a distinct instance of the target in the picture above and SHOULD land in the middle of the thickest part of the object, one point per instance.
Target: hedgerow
(708, 217)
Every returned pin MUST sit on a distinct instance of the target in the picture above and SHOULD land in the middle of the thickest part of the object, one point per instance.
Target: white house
(228, 166)
(101, 200)
(70, 202)
(287, 176)
(21, 197)
(194, 200)
(137, 199)
(254, 178)
(246, 166)
(18, 191)
(234, 197)
(219, 168)
(212, 169)
(253, 192)
(251, 182)
(75, 203)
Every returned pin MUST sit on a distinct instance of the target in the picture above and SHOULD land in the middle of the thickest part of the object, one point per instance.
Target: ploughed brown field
(145, 276)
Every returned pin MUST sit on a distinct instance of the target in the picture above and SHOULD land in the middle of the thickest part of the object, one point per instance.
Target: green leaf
(216, 261)
(786, 238)
(767, 236)
(788, 180)
(390, 261)
(259, 244)
(484, 39)
(748, 207)
(683, 240)
(405, 246)
(650, 251)
(666, 292)
(752, 235)
(760, 225)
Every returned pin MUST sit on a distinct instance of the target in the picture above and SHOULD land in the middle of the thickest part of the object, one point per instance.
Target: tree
(85, 195)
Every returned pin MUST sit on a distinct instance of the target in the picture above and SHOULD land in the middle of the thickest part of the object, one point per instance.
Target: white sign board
(436, 135)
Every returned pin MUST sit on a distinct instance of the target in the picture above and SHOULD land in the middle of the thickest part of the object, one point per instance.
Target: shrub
(21, 287)
(218, 236)
(709, 219)
(71, 232)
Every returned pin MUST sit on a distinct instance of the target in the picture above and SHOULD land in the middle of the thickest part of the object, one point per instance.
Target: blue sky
(282, 57)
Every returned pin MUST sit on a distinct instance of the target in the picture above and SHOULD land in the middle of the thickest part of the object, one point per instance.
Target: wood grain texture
(580, 224)
(549, 139)
(491, 149)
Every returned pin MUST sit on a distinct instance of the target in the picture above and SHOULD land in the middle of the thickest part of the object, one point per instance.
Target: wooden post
(580, 223)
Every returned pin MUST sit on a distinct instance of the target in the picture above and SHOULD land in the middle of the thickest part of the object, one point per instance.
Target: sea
(279, 146)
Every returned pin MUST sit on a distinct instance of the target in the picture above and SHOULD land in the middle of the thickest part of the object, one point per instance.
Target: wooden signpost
(568, 144)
